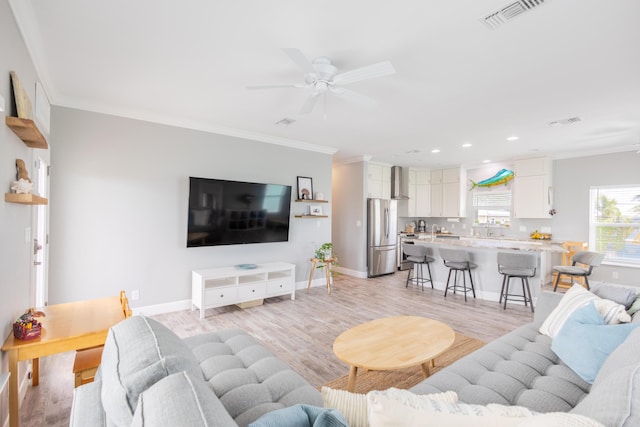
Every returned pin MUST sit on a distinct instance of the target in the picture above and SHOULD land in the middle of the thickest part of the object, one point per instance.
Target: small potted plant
(324, 253)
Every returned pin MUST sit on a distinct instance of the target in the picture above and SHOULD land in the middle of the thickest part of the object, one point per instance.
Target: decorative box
(27, 330)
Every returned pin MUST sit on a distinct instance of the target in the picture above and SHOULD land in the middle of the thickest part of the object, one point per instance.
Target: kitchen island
(484, 250)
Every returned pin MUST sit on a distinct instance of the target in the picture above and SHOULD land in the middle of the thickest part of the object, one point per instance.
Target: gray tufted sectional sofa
(151, 377)
(520, 368)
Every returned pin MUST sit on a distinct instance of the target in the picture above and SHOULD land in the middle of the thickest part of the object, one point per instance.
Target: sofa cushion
(615, 396)
(620, 294)
(585, 341)
(179, 400)
(86, 409)
(139, 352)
(517, 369)
(246, 377)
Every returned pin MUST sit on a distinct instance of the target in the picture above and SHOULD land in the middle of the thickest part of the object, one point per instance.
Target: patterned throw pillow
(354, 405)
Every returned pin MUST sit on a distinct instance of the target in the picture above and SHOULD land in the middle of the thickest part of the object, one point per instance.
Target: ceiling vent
(563, 122)
(510, 11)
(285, 122)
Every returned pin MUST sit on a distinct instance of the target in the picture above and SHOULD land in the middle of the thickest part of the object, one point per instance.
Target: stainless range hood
(398, 188)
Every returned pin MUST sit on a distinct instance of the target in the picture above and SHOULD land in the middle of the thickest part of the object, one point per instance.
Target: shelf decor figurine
(23, 184)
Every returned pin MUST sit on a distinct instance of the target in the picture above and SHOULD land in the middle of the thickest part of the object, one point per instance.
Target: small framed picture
(305, 188)
(315, 210)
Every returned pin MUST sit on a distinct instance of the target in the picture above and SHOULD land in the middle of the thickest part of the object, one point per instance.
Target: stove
(403, 264)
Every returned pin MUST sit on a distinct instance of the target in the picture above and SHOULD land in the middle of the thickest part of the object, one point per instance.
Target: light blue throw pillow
(585, 341)
(301, 416)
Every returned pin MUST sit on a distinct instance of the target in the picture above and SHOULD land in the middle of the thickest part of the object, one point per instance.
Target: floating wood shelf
(311, 201)
(27, 131)
(25, 199)
(312, 216)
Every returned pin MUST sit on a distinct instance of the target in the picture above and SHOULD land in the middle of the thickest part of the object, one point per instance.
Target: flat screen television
(233, 212)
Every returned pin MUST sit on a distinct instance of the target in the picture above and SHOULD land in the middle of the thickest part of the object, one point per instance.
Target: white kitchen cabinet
(217, 287)
(378, 181)
(532, 188)
(448, 195)
(419, 193)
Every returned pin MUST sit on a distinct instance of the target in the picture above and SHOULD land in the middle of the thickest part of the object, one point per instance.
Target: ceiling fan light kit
(320, 76)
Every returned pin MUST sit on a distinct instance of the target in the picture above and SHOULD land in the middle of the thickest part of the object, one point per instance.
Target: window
(614, 223)
(492, 207)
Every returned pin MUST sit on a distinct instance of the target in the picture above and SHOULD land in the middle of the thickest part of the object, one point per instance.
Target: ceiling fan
(321, 76)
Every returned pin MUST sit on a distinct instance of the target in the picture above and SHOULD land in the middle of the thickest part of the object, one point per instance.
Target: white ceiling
(187, 63)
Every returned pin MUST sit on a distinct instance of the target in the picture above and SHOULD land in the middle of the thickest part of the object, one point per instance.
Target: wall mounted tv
(233, 212)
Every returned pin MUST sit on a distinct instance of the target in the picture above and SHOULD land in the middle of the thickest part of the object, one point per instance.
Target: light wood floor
(300, 332)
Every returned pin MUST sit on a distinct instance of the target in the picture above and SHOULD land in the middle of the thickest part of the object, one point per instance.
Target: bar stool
(419, 256)
(458, 260)
(517, 264)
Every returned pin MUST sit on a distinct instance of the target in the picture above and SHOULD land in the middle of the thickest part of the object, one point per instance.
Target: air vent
(565, 121)
(285, 122)
(510, 11)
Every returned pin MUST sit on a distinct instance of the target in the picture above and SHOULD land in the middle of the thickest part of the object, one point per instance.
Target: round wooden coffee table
(392, 343)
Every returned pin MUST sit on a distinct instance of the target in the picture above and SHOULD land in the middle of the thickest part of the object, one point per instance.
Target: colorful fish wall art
(502, 177)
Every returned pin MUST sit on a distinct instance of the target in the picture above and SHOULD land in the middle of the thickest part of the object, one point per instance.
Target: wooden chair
(88, 360)
(567, 258)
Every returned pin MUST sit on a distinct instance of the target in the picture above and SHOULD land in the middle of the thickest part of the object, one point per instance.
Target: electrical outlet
(523, 228)
(135, 295)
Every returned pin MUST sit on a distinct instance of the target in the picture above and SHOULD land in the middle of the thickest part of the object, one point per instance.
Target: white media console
(217, 287)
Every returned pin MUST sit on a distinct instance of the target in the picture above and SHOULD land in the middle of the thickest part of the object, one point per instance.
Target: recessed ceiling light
(466, 145)
(513, 138)
(435, 150)
(486, 161)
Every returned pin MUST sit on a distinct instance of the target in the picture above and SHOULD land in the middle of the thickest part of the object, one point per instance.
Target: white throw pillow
(354, 406)
(577, 297)
(612, 312)
(386, 411)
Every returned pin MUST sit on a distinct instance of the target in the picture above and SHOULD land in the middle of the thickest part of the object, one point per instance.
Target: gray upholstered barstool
(419, 256)
(458, 260)
(586, 258)
(517, 264)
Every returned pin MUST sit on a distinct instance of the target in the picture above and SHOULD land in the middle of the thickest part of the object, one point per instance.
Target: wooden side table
(327, 269)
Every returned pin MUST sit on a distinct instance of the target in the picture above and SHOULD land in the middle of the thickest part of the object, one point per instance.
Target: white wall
(119, 197)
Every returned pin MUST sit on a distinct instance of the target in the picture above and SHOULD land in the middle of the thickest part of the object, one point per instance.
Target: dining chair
(587, 260)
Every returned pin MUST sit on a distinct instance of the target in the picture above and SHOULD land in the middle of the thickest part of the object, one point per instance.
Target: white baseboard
(354, 273)
(169, 307)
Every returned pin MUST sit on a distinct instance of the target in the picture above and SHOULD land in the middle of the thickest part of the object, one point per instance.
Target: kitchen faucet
(433, 233)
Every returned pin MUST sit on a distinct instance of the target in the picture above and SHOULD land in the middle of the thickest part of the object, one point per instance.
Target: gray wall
(119, 194)
(15, 253)
(572, 179)
(349, 217)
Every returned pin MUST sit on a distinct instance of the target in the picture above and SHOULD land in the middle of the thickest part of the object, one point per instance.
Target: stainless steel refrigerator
(382, 235)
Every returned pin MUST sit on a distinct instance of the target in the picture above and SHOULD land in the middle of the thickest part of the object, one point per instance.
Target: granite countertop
(494, 242)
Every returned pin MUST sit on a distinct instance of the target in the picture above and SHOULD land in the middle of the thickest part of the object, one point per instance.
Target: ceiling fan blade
(355, 97)
(369, 72)
(301, 61)
(310, 103)
(276, 86)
